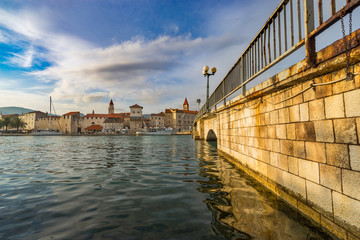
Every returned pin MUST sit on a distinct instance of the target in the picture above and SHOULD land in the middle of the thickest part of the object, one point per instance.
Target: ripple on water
(127, 187)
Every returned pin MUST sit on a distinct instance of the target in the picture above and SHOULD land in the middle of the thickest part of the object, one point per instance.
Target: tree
(6, 122)
(17, 123)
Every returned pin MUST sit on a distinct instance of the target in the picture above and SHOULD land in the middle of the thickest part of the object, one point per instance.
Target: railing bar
(279, 32)
(285, 30)
(259, 54)
(291, 23)
(284, 55)
(274, 39)
(254, 58)
(333, 7)
(252, 61)
(269, 44)
(264, 46)
(333, 19)
(320, 9)
(262, 49)
(299, 19)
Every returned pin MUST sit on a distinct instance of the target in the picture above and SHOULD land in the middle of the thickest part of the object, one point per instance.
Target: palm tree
(6, 122)
(1, 123)
(17, 123)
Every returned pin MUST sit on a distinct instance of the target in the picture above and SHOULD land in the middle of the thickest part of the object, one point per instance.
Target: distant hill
(14, 110)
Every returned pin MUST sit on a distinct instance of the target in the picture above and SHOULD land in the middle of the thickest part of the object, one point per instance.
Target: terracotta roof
(71, 113)
(136, 106)
(94, 127)
(111, 102)
(111, 115)
(114, 120)
(180, 111)
(186, 102)
(158, 114)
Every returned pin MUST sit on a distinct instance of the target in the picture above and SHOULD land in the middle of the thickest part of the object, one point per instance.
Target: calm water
(128, 187)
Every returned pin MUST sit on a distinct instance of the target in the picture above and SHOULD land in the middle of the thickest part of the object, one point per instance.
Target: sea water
(134, 187)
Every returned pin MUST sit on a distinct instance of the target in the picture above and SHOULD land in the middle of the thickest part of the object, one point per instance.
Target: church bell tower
(111, 107)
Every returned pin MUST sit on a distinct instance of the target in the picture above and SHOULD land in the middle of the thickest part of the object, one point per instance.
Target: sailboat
(47, 132)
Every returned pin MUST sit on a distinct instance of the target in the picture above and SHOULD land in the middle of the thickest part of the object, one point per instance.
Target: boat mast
(50, 116)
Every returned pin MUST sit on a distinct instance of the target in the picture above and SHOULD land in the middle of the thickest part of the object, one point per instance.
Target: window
(138, 111)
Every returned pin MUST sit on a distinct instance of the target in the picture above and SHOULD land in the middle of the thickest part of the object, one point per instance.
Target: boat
(47, 132)
(155, 131)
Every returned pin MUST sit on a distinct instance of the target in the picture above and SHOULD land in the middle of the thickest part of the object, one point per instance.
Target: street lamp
(206, 74)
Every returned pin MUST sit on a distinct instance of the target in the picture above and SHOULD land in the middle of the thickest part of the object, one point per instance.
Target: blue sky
(149, 52)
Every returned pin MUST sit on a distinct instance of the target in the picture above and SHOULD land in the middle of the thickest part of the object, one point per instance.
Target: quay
(298, 132)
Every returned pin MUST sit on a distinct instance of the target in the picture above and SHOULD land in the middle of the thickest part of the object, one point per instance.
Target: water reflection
(242, 208)
(127, 187)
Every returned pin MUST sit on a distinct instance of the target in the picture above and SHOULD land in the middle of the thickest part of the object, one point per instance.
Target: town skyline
(85, 55)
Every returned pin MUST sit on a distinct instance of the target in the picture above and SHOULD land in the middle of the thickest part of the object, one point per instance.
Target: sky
(148, 52)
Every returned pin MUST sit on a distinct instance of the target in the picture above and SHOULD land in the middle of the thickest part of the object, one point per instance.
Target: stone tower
(186, 105)
(111, 107)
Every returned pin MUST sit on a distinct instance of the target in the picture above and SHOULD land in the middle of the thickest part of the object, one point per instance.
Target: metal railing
(290, 26)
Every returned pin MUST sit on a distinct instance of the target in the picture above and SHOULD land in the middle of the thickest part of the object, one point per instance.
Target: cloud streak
(144, 71)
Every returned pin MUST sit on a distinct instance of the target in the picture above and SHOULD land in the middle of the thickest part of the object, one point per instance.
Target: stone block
(275, 174)
(353, 237)
(309, 170)
(358, 128)
(293, 165)
(345, 130)
(315, 151)
(337, 155)
(344, 209)
(352, 103)
(299, 149)
(351, 183)
(343, 86)
(295, 184)
(320, 196)
(333, 227)
(281, 131)
(325, 90)
(295, 113)
(304, 112)
(324, 131)
(305, 131)
(334, 106)
(309, 211)
(295, 90)
(330, 177)
(276, 145)
(274, 159)
(284, 115)
(287, 147)
(274, 117)
(317, 110)
(290, 131)
(309, 94)
(355, 157)
(283, 162)
(271, 131)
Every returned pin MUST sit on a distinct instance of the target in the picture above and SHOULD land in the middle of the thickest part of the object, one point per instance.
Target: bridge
(298, 131)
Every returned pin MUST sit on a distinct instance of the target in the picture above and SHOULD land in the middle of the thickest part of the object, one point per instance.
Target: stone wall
(304, 145)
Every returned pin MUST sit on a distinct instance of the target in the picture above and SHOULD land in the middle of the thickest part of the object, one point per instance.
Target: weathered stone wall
(305, 149)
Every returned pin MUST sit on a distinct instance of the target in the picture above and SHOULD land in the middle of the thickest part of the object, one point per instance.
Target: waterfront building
(181, 120)
(136, 118)
(113, 125)
(157, 120)
(70, 123)
(32, 120)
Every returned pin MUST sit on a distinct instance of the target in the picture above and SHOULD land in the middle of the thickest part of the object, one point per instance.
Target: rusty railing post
(309, 23)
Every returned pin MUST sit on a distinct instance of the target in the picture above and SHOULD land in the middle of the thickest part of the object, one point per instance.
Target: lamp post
(206, 74)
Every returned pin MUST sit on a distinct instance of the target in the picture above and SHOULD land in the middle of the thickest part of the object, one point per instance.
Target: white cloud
(135, 71)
